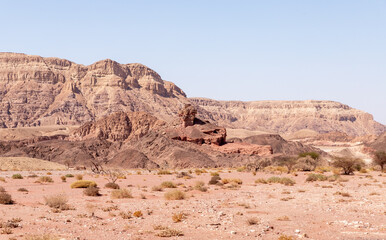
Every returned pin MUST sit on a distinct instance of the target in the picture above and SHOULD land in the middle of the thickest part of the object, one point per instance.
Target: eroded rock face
(246, 149)
(36, 91)
(118, 127)
(286, 117)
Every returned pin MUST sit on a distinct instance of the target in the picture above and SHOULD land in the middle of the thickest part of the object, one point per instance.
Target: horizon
(276, 51)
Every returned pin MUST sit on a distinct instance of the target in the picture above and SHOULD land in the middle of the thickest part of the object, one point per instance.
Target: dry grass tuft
(83, 184)
(178, 217)
(175, 195)
(168, 184)
(121, 193)
(58, 201)
(5, 198)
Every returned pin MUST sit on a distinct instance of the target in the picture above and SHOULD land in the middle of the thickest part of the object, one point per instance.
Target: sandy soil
(309, 210)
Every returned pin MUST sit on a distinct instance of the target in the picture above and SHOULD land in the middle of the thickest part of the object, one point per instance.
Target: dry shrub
(184, 175)
(5, 198)
(283, 218)
(316, 177)
(175, 195)
(22, 190)
(125, 215)
(170, 233)
(69, 175)
(41, 237)
(333, 178)
(63, 178)
(253, 221)
(157, 189)
(349, 165)
(17, 176)
(112, 185)
(343, 194)
(2, 189)
(286, 181)
(200, 186)
(285, 237)
(168, 184)
(178, 217)
(92, 191)
(121, 193)
(78, 176)
(229, 180)
(45, 179)
(58, 201)
(261, 180)
(2, 179)
(214, 180)
(137, 214)
(83, 184)
(164, 172)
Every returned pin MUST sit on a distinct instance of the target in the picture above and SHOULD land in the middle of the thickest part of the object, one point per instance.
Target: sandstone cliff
(37, 91)
(289, 116)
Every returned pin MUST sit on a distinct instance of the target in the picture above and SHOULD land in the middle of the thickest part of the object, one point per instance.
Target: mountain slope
(36, 91)
(286, 117)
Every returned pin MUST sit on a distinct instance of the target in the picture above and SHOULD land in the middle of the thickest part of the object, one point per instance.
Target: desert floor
(351, 208)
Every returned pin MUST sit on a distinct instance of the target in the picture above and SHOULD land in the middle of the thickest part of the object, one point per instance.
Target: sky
(225, 50)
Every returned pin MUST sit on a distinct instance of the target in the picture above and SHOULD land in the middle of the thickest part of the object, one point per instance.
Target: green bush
(17, 176)
(313, 155)
(316, 177)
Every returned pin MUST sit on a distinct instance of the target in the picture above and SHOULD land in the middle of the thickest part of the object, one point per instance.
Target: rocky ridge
(286, 117)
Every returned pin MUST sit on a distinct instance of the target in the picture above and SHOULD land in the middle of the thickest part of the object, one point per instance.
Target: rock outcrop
(286, 117)
(37, 91)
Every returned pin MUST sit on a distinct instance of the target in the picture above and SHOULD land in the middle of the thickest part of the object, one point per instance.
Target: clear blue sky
(226, 50)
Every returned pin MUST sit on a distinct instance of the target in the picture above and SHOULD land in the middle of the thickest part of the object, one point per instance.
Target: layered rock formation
(36, 91)
(289, 116)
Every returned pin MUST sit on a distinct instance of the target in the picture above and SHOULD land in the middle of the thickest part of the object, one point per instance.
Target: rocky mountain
(37, 91)
(285, 117)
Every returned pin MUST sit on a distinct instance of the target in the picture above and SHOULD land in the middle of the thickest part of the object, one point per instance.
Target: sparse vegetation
(286, 181)
(313, 155)
(17, 176)
(78, 176)
(121, 193)
(91, 191)
(168, 184)
(380, 159)
(349, 165)
(261, 180)
(112, 185)
(200, 186)
(214, 180)
(175, 195)
(316, 177)
(46, 179)
(22, 190)
(178, 217)
(5, 198)
(58, 201)
(157, 189)
(137, 214)
(164, 172)
(41, 237)
(167, 232)
(69, 175)
(232, 180)
(253, 221)
(64, 179)
(83, 184)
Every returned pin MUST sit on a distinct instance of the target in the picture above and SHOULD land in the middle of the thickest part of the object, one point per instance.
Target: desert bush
(157, 189)
(184, 175)
(2, 179)
(112, 185)
(2, 189)
(121, 193)
(306, 163)
(253, 221)
(380, 159)
(232, 180)
(214, 174)
(349, 165)
(276, 169)
(63, 178)
(200, 186)
(69, 175)
(32, 176)
(178, 217)
(170, 233)
(175, 195)
(214, 180)
(91, 191)
(125, 215)
(343, 194)
(261, 180)
(322, 169)
(5, 198)
(17, 176)
(333, 178)
(58, 201)
(285, 237)
(288, 161)
(78, 176)
(83, 184)
(316, 177)
(45, 179)
(41, 237)
(286, 181)
(137, 214)
(164, 172)
(313, 155)
(22, 190)
(168, 184)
